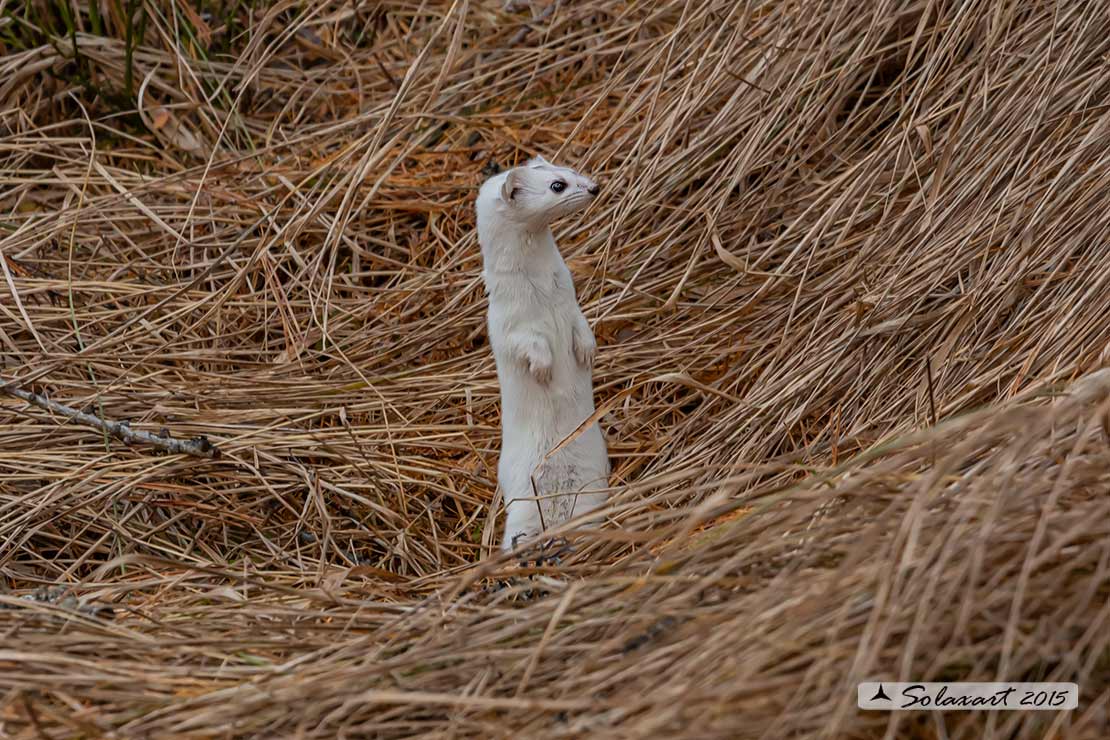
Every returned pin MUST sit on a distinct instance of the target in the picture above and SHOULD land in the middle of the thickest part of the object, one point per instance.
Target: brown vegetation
(850, 275)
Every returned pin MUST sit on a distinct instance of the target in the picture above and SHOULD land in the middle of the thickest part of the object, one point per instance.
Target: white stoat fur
(544, 350)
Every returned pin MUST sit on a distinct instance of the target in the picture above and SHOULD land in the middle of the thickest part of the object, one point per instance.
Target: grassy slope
(847, 264)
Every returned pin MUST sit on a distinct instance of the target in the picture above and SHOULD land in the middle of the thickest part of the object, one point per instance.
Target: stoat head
(536, 193)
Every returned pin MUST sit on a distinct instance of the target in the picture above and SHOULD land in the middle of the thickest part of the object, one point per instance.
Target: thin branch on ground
(197, 446)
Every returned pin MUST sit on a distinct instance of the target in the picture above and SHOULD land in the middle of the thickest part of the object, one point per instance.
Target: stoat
(543, 347)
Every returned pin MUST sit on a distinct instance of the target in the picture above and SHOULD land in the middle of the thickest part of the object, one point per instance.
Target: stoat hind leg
(587, 501)
(522, 524)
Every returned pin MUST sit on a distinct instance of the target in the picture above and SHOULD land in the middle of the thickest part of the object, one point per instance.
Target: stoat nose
(593, 189)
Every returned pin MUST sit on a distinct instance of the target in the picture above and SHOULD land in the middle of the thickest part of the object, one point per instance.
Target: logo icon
(880, 694)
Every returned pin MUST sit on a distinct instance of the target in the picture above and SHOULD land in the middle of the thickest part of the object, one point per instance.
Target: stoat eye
(558, 186)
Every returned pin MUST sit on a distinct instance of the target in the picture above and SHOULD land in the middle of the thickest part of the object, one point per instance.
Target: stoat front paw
(533, 351)
(537, 356)
(540, 367)
(585, 347)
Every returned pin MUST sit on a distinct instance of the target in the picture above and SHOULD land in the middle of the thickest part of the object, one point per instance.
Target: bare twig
(121, 430)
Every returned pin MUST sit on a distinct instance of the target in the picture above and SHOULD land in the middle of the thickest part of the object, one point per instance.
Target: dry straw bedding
(849, 274)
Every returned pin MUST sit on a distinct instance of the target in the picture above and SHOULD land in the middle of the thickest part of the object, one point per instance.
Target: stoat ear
(511, 185)
(537, 160)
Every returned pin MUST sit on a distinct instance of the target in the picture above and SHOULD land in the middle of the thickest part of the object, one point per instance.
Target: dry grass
(850, 275)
